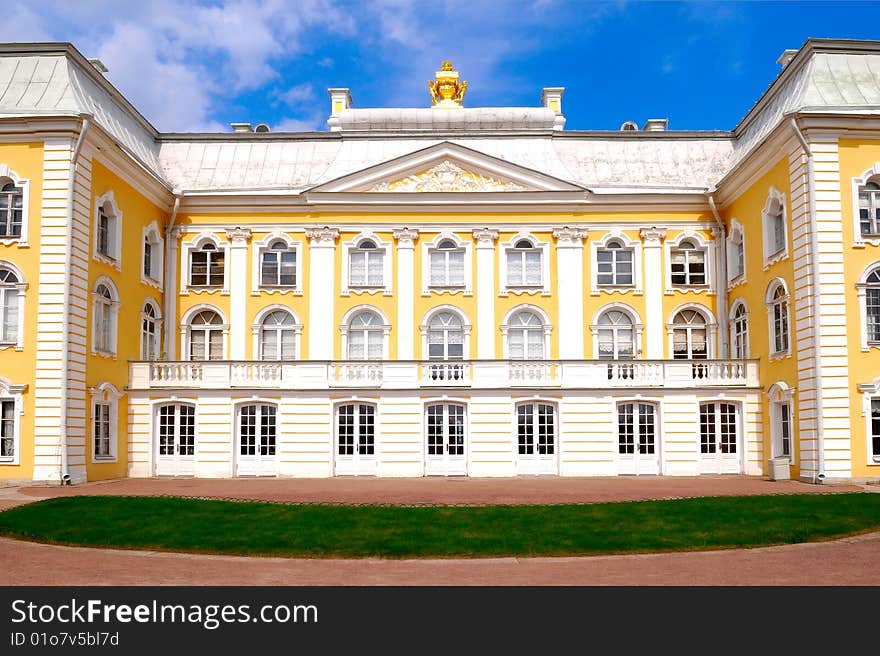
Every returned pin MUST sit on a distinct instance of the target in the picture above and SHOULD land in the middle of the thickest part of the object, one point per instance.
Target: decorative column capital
(485, 237)
(652, 236)
(238, 236)
(716, 232)
(325, 236)
(405, 237)
(177, 232)
(570, 237)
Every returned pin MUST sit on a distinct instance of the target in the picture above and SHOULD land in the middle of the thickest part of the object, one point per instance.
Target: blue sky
(201, 64)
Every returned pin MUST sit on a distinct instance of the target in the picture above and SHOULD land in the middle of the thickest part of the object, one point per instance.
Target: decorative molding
(238, 236)
(652, 236)
(567, 237)
(485, 237)
(322, 237)
(24, 185)
(447, 176)
(405, 237)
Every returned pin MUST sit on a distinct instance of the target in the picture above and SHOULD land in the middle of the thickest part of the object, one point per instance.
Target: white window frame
(771, 257)
(7, 173)
(429, 247)
(736, 230)
(113, 309)
(859, 241)
(345, 329)
(546, 328)
(633, 245)
(14, 393)
(260, 247)
(105, 394)
(862, 293)
(157, 320)
(778, 395)
(185, 328)
(711, 329)
(383, 247)
(152, 234)
(357, 402)
(870, 392)
(543, 248)
(465, 327)
(257, 330)
(21, 288)
(707, 246)
(533, 428)
(260, 405)
(739, 303)
(186, 251)
(114, 258)
(769, 303)
(637, 325)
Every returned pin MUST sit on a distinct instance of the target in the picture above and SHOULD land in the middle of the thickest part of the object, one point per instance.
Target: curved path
(849, 561)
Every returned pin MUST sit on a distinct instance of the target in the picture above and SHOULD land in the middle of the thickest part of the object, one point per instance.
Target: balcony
(474, 374)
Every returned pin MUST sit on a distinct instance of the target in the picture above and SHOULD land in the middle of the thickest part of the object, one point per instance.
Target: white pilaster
(239, 238)
(486, 289)
(405, 292)
(570, 288)
(652, 245)
(171, 286)
(322, 265)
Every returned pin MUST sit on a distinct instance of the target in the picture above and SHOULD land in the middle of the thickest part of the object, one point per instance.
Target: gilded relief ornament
(445, 177)
(446, 91)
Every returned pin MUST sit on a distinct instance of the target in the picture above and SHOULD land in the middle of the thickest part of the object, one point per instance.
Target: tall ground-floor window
(176, 440)
(719, 438)
(637, 438)
(444, 436)
(101, 430)
(356, 438)
(257, 430)
(7, 430)
(875, 430)
(536, 438)
(782, 430)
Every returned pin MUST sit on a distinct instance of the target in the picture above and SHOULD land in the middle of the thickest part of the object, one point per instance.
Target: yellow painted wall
(747, 210)
(855, 158)
(19, 367)
(137, 213)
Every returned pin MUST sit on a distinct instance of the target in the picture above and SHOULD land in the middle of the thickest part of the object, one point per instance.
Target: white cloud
(20, 24)
(315, 122)
(297, 94)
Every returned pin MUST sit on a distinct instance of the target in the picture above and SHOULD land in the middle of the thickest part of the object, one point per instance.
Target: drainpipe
(65, 311)
(819, 475)
(721, 282)
(170, 263)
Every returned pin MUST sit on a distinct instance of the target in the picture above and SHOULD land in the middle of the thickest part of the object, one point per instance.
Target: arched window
(11, 289)
(105, 307)
(524, 266)
(872, 306)
(366, 336)
(150, 332)
(445, 337)
(779, 324)
(525, 337)
(207, 266)
(278, 336)
(206, 336)
(11, 209)
(869, 208)
(615, 264)
(688, 263)
(689, 336)
(257, 430)
(616, 336)
(278, 266)
(739, 332)
(447, 264)
(366, 265)
(108, 227)
(736, 255)
(775, 230)
(535, 429)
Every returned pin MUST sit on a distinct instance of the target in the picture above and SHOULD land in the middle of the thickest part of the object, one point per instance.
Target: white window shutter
(376, 263)
(456, 268)
(358, 274)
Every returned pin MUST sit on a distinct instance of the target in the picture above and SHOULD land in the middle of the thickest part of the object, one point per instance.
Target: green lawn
(269, 529)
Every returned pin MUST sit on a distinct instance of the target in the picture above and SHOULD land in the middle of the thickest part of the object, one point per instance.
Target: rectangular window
(148, 259)
(9, 302)
(101, 432)
(447, 268)
(104, 235)
(366, 269)
(11, 211)
(614, 267)
(872, 307)
(785, 429)
(278, 269)
(7, 429)
(875, 430)
(207, 269)
(780, 327)
(177, 436)
(869, 212)
(524, 268)
(778, 232)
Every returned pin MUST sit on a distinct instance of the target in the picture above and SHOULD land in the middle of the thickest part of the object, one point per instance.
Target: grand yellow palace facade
(442, 290)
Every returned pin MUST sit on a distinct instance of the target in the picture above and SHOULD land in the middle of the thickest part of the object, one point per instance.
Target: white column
(322, 291)
(653, 279)
(486, 292)
(239, 238)
(405, 292)
(169, 320)
(570, 286)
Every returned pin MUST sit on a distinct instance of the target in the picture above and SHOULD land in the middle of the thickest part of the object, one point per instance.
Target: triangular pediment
(445, 168)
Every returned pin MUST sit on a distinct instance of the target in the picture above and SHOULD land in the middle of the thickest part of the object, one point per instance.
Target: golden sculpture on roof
(447, 92)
